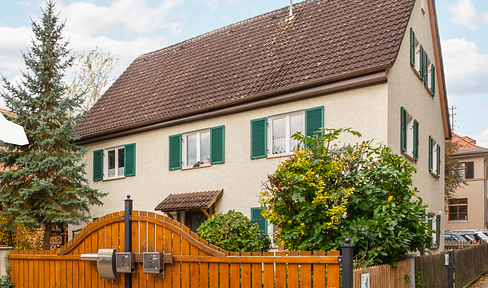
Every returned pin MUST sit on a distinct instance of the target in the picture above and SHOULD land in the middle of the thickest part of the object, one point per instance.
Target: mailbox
(106, 264)
(152, 262)
(124, 262)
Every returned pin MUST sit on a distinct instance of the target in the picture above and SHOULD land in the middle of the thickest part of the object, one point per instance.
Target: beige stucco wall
(240, 177)
(475, 193)
(407, 90)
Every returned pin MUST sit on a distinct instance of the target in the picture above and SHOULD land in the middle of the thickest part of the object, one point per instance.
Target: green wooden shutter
(430, 154)
(438, 148)
(421, 64)
(432, 69)
(130, 159)
(98, 165)
(256, 217)
(438, 229)
(175, 152)
(426, 68)
(217, 142)
(259, 147)
(415, 140)
(314, 121)
(412, 48)
(403, 129)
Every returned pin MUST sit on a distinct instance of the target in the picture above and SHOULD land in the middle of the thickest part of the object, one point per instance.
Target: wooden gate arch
(196, 263)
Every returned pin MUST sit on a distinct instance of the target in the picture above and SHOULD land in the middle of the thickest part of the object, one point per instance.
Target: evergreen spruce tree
(43, 183)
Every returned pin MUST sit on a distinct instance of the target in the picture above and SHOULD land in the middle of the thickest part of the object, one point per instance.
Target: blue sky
(129, 28)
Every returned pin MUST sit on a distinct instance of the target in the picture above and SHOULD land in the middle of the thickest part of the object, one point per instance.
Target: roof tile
(258, 56)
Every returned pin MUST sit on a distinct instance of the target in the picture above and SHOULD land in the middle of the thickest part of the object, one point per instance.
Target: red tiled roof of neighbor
(260, 57)
(189, 201)
(466, 144)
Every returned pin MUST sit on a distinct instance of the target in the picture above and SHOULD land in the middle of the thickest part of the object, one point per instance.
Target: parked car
(455, 237)
(472, 235)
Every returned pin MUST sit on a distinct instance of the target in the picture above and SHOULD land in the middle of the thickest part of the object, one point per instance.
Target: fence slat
(293, 272)
(333, 270)
(319, 272)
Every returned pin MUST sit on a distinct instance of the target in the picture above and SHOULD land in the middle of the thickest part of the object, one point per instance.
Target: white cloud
(465, 68)
(481, 139)
(464, 14)
(120, 18)
(11, 61)
(485, 16)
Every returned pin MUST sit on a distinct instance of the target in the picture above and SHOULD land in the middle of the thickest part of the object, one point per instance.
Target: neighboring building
(213, 115)
(468, 210)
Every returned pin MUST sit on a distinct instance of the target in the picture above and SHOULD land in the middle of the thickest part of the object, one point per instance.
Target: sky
(129, 28)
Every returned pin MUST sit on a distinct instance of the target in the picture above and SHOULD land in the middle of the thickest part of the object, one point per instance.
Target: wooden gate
(196, 263)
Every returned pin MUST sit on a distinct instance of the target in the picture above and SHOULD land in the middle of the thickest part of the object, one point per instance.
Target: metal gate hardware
(105, 263)
(152, 262)
(125, 262)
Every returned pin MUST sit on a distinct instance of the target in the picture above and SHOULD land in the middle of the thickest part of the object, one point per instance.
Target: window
(467, 170)
(434, 157)
(435, 225)
(409, 138)
(458, 209)
(114, 162)
(282, 128)
(273, 135)
(197, 148)
(420, 62)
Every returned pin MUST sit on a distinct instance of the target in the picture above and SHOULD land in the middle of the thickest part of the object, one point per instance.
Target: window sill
(272, 156)
(458, 221)
(434, 174)
(409, 156)
(113, 178)
(201, 166)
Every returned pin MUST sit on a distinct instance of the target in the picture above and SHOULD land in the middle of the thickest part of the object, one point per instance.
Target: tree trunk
(46, 239)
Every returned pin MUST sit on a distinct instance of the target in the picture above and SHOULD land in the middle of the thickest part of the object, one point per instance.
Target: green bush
(326, 193)
(234, 232)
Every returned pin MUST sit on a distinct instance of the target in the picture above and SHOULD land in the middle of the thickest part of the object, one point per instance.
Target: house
(213, 115)
(468, 210)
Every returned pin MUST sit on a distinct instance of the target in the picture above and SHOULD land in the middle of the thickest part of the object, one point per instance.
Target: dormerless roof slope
(259, 57)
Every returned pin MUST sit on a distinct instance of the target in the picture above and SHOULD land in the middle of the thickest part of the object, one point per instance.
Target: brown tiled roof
(189, 201)
(327, 40)
(466, 144)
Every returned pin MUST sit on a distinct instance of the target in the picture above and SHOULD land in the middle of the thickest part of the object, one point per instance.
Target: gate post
(347, 255)
(128, 236)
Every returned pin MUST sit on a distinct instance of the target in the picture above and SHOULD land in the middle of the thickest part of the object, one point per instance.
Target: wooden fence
(470, 264)
(384, 276)
(196, 263)
(432, 270)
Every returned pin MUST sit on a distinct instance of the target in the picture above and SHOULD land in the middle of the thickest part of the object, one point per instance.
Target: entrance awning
(196, 201)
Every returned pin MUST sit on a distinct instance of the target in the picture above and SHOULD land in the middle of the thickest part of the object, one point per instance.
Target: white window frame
(417, 57)
(287, 116)
(184, 148)
(409, 140)
(435, 161)
(106, 174)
